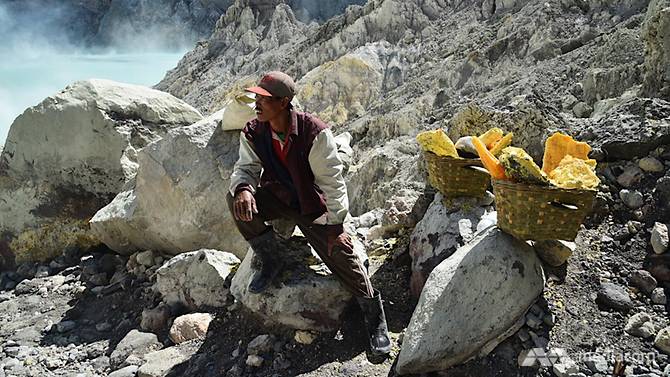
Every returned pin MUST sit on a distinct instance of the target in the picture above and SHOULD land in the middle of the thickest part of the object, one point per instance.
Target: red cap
(275, 84)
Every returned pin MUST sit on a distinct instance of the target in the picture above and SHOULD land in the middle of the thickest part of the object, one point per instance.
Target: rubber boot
(375, 323)
(265, 261)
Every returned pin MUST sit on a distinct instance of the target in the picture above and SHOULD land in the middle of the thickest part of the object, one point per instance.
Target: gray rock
(436, 237)
(658, 296)
(630, 177)
(662, 341)
(134, 345)
(103, 327)
(582, 110)
(159, 363)
(129, 371)
(597, 364)
(659, 238)
(260, 344)
(145, 258)
(612, 296)
(657, 57)
(554, 252)
(156, 319)
(632, 199)
(640, 325)
(304, 289)
(444, 329)
(42, 271)
(565, 368)
(196, 279)
(643, 280)
(65, 326)
(254, 361)
(651, 164)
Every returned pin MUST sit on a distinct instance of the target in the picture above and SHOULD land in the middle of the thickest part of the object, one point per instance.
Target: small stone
(189, 327)
(523, 335)
(632, 199)
(103, 327)
(99, 279)
(465, 229)
(568, 102)
(565, 368)
(129, 371)
(640, 325)
(651, 165)
(554, 252)
(156, 319)
(304, 337)
(662, 341)
(612, 296)
(145, 258)
(658, 296)
(549, 319)
(65, 326)
(582, 110)
(42, 271)
(254, 361)
(260, 344)
(597, 364)
(533, 322)
(630, 177)
(659, 238)
(643, 280)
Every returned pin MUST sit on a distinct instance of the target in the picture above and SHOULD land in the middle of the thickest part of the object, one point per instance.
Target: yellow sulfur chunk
(520, 166)
(437, 142)
(575, 173)
(558, 146)
(502, 144)
(491, 136)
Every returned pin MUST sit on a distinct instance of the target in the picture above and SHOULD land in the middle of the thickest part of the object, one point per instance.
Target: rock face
(305, 296)
(66, 157)
(471, 302)
(656, 36)
(178, 201)
(196, 279)
(444, 228)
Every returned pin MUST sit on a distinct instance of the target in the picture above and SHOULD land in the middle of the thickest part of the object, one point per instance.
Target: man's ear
(284, 102)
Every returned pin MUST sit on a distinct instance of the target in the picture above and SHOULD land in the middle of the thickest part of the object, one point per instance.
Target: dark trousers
(343, 262)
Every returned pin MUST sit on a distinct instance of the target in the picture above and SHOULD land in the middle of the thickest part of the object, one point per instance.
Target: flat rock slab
(159, 363)
(471, 302)
(305, 296)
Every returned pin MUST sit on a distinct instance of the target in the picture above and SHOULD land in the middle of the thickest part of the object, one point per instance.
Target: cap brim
(259, 90)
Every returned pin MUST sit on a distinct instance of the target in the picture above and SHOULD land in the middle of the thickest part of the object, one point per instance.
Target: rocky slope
(132, 24)
(380, 73)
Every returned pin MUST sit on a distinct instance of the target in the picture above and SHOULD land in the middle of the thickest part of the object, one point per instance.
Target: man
(288, 168)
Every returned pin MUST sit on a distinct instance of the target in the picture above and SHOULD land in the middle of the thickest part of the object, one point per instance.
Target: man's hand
(337, 237)
(244, 206)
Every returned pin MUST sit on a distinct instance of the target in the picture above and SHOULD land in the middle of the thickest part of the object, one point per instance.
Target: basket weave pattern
(453, 177)
(533, 212)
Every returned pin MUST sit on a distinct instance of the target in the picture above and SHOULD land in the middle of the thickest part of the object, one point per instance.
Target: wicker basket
(455, 177)
(533, 212)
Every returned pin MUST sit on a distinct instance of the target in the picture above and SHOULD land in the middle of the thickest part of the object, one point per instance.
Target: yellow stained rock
(437, 142)
(575, 173)
(560, 145)
(520, 166)
(490, 137)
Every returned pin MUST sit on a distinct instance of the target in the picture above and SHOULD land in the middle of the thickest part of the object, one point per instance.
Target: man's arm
(327, 169)
(247, 169)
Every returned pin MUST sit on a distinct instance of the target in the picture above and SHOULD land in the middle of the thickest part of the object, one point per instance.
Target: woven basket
(533, 212)
(455, 177)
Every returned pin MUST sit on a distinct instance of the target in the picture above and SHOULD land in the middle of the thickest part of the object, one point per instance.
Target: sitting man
(289, 168)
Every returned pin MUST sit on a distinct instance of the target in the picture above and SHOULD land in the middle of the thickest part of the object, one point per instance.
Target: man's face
(269, 108)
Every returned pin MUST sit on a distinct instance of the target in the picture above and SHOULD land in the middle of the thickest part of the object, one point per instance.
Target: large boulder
(68, 156)
(178, 201)
(471, 302)
(656, 36)
(196, 279)
(305, 296)
(444, 228)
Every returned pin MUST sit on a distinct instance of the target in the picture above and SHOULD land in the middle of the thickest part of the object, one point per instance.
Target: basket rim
(535, 187)
(464, 159)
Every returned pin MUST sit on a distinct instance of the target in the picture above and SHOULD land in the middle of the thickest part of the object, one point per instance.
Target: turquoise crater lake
(28, 77)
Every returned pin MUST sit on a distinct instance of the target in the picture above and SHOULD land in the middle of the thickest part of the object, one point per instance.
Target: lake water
(27, 78)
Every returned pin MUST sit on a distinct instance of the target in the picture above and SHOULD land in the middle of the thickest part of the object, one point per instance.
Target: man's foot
(375, 323)
(264, 262)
